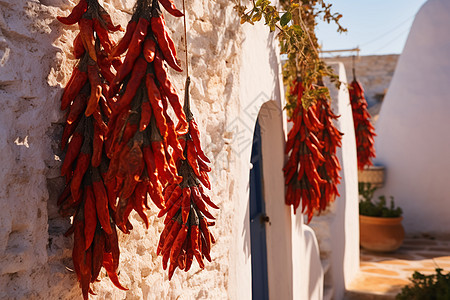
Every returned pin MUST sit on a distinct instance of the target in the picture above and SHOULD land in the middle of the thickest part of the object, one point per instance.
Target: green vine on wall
(296, 33)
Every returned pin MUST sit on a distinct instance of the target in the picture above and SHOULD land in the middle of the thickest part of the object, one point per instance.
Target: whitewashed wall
(345, 226)
(337, 228)
(414, 126)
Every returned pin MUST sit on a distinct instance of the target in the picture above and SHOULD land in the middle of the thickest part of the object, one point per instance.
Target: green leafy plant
(379, 208)
(427, 287)
(295, 28)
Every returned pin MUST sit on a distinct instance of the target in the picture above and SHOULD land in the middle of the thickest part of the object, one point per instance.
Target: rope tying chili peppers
(364, 130)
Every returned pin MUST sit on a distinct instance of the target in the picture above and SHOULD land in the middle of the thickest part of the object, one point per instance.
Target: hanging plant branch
(298, 41)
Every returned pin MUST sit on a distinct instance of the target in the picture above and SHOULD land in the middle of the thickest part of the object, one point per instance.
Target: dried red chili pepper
(101, 201)
(135, 166)
(105, 70)
(97, 253)
(73, 87)
(87, 36)
(73, 149)
(97, 148)
(137, 74)
(171, 8)
(108, 263)
(172, 137)
(155, 101)
(165, 42)
(79, 253)
(140, 201)
(78, 47)
(164, 235)
(96, 89)
(75, 15)
(103, 36)
(78, 105)
(170, 92)
(109, 24)
(90, 216)
(195, 135)
(83, 161)
(134, 49)
(149, 50)
(178, 243)
(122, 46)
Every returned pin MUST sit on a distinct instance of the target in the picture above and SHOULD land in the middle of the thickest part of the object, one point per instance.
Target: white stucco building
(413, 126)
(236, 77)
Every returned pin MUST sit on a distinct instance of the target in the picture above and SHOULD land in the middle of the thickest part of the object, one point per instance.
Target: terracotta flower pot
(381, 234)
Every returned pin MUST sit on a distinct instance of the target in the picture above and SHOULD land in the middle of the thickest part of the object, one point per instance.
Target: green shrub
(367, 207)
(427, 287)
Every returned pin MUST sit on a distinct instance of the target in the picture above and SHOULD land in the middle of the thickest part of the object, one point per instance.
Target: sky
(375, 26)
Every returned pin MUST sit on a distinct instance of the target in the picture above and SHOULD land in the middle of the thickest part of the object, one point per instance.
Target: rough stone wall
(35, 64)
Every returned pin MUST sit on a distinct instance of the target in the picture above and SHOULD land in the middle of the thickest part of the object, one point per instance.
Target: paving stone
(382, 272)
(426, 271)
(378, 284)
(403, 256)
(383, 275)
(366, 264)
(394, 262)
(429, 254)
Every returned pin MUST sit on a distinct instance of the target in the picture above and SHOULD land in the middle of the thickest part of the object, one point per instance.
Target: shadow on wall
(246, 229)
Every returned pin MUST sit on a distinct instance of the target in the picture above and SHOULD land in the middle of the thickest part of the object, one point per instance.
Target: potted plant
(381, 226)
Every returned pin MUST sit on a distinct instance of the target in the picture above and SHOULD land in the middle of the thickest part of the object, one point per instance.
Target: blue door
(258, 219)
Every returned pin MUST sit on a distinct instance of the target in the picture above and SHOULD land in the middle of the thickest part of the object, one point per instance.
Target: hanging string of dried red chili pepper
(186, 234)
(85, 163)
(364, 130)
(304, 149)
(312, 170)
(331, 138)
(141, 134)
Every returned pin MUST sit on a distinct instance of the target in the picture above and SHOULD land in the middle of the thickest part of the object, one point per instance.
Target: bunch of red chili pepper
(364, 130)
(148, 153)
(186, 234)
(306, 181)
(123, 145)
(85, 163)
(331, 138)
(143, 141)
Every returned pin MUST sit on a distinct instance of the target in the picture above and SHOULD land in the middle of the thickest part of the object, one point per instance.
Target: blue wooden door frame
(260, 289)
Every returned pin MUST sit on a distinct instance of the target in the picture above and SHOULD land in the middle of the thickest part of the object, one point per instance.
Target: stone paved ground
(382, 275)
